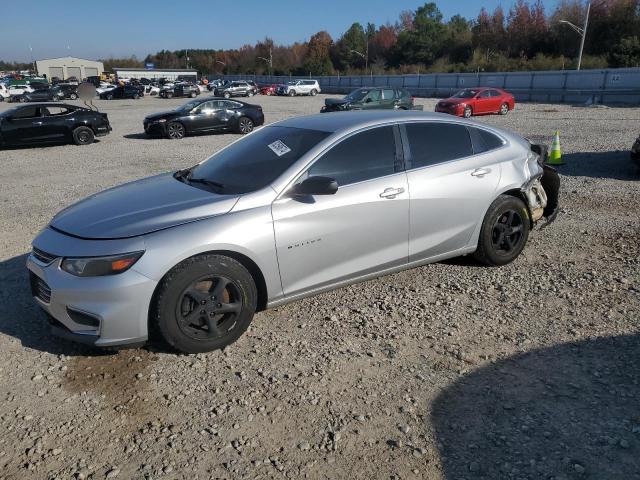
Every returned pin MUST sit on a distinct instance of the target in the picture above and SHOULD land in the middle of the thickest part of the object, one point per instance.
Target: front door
(483, 102)
(360, 229)
(25, 126)
(451, 188)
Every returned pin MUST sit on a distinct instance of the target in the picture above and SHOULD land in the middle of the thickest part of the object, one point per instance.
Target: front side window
(374, 96)
(363, 156)
(433, 143)
(258, 159)
(26, 112)
(485, 94)
(207, 108)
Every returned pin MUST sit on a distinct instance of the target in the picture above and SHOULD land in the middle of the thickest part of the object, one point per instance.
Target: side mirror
(315, 186)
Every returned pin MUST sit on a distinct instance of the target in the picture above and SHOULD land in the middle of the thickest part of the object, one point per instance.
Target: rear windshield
(258, 159)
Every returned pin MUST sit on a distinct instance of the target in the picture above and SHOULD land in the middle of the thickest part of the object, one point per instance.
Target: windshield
(466, 93)
(187, 107)
(357, 95)
(258, 159)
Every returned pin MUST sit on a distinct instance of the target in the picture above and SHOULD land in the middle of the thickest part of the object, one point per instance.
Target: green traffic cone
(555, 156)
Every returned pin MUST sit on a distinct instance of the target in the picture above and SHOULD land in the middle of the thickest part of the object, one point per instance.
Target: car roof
(353, 120)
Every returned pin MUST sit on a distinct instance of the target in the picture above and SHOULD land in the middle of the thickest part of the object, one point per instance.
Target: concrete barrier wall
(612, 85)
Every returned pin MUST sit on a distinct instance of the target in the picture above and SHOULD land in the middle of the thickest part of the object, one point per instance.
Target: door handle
(391, 192)
(481, 172)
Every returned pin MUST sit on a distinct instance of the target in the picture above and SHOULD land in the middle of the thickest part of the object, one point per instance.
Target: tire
(136, 96)
(175, 131)
(504, 232)
(188, 313)
(169, 95)
(23, 99)
(110, 96)
(73, 96)
(245, 125)
(504, 109)
(192, 95)
(313, 92)
(249, 93)
(83, 136)
(468, 112)
(226, 95)
(292, 93)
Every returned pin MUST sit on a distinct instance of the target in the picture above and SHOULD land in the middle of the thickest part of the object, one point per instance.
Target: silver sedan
(293, 209)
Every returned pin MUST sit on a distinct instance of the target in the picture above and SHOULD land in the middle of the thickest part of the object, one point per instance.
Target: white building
(153, 74)
(66, 67)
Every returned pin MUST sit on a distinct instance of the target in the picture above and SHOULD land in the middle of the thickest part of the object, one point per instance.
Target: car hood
(140, 207)
(330, 102)
(158, 116)
(456, 101)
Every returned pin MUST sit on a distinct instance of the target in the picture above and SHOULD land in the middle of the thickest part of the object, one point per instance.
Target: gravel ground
(449, 371)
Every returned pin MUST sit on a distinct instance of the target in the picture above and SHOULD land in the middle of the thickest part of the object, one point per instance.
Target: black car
(180, 90)
(370, 98)
(635, 151)
(205, 115)
(41, 95)
(66, 90)
(43, 123)
(123, 91)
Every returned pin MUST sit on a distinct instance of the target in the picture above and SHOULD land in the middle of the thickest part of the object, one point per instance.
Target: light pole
(581, 31)
(269, 60)
(366, 58)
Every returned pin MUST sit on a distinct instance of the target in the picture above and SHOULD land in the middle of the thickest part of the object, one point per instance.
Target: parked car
(42, 123)
(104, 87)
(635, 151)
(369, 98)
(268, 89)
(73, 81)
(122, 91)
(283, 213)
(299, 87)
(18, 90)
(238, 88)
(205, 115)
(213, 84)
(4, 93)
(40, 95)
(66, 91)
(477, 101)
(180, 90)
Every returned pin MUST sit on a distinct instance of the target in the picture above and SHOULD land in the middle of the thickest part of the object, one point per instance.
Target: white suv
(299, 87)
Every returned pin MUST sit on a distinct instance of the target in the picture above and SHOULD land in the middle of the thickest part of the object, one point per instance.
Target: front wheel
(110, 97)
(313, 92)
(73, 96)
(192, 95)
(175, 131)
(23, 99)
(504, 109)
(83, 136)
(204, 303)
(249, 93)
(467, 112)
(245, 125)
(504, 233)
(227, 95)
(292, 93)
(136, 96)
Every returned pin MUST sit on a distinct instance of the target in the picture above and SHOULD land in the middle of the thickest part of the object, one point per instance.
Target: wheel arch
(519, 194)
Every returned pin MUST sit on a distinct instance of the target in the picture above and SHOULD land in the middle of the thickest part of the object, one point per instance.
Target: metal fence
(614, 85)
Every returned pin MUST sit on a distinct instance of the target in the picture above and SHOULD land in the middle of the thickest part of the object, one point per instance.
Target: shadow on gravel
(41, 145)
(22, 319)
(614, 164)
(565, 412)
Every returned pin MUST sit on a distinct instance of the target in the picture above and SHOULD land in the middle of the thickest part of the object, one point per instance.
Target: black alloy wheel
(175, 131)
(506, 234)
(209, 307)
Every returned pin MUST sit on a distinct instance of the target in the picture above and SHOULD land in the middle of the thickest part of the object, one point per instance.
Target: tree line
(525, 37)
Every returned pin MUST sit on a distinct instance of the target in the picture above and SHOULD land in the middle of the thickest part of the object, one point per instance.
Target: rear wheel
(227, 95)
(136, 96)
(313, 92)
(83, 136)
(73, 96)
(504, 233)
(467, 112)
(23, 99)
(110, 96)
(175, 131)
(245, 125)
(292, 93)
(192, 95)
(204, 303)
(504, 109)
(250, 93)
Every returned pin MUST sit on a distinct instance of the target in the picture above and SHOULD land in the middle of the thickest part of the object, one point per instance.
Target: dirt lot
(450, 371)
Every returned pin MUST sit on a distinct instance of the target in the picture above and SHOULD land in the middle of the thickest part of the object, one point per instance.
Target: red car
(477, 101)
(268, 89)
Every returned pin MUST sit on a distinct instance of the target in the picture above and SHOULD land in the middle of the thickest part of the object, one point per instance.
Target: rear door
(388, 100)
(361, 229)
(451, 186)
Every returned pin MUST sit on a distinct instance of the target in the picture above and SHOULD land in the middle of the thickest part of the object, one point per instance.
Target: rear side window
(433, 143)
(363, 156)
(388, 94)
(484, 141)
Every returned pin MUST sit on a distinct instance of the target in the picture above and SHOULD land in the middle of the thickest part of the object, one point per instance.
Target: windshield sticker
(279, 148)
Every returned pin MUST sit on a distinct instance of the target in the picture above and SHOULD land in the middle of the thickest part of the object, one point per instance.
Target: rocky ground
(449, 371)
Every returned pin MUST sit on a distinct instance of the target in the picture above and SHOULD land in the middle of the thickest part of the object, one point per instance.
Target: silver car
(293, 209)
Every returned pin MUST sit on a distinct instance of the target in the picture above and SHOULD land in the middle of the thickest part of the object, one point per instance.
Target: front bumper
(457, 110)
(102, 311)
(635, 152)
(155, 128)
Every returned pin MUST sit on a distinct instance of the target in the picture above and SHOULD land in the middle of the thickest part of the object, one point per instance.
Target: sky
(100, 29)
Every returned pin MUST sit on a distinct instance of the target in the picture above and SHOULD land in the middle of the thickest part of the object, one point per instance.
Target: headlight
(100, 266)
(162, 120)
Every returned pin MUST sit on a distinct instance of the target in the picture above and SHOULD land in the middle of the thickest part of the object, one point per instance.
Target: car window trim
(309, 164)
(407, 149)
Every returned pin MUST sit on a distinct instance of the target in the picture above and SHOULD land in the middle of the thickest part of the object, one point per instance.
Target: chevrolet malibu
(295, 208)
